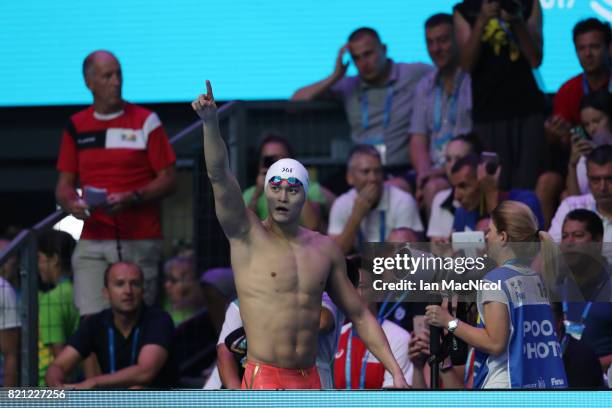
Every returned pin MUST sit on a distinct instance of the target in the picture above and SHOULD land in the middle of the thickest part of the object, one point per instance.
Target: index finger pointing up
(209, 91)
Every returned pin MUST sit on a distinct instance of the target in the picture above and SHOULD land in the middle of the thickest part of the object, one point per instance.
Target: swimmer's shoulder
(324, 242)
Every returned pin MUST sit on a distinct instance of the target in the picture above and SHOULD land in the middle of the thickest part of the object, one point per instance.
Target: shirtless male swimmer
(281, 271)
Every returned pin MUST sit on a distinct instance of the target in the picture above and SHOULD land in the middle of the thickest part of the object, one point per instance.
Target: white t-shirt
(581, 175)
(398, 209)
(441, 219)
(9, 309)
(232, 322)
(587, 202)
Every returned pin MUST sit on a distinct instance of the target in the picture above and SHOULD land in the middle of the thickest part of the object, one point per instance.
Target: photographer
(501, 42)
(516, 346)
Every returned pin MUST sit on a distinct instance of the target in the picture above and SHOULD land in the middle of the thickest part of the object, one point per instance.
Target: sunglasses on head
(292, 181)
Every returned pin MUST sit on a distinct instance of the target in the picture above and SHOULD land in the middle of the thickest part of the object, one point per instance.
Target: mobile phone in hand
(491, 160)
(578, 133)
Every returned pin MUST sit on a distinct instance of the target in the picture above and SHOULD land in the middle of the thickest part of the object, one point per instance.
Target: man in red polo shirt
(122, 148)
(592, 42)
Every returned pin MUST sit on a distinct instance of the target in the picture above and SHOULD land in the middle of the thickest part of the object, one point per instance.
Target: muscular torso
(279, 285)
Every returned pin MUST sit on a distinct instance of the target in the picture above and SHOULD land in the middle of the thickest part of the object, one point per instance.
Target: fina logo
(549, 4)
(604, 12)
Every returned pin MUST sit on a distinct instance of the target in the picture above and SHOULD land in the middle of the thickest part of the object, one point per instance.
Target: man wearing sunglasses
(281, 271)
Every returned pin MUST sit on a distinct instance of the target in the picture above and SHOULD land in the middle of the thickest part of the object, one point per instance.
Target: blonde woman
(516, 344)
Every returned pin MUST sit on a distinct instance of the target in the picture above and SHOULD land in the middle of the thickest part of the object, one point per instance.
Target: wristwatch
(452, 325)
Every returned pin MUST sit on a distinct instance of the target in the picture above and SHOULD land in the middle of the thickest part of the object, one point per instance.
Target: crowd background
(478, 94)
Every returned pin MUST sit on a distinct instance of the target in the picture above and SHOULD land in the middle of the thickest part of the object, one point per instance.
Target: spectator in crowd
(184, 296)
(10, 324)
(580, 361)
(401, 310)
(587, 290)
(596, 118)
(123, 149)
(58, 317)
(9, 271)
(354, 366)
(599, 200)
(477, 193)
(443, 111)
(591, 41)
(440, 226)
(378, 101)
(500, 43)
(505, 341)
(371, 210)
(271, 149)
(131, 340)
(219, 288)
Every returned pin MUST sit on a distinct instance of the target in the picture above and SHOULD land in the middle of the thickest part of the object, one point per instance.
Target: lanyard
(347, 365)
(365, 119)
(111, 347)
(382, 229)
(452, 113)
(382, 316)
(585, 311)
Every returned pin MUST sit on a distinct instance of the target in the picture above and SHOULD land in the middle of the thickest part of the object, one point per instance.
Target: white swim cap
(286, 168)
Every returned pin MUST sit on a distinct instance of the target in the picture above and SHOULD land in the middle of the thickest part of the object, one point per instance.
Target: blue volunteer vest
(534, 355)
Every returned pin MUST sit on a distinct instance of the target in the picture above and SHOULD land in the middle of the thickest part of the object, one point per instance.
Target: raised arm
(468, 38)
(317, 89)
(348, 300)
(231, 210)
(528, 33)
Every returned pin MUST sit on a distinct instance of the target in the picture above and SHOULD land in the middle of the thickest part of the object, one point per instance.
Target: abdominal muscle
(282, 332)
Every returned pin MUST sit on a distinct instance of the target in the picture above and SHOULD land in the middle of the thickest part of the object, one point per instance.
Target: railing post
(28, 271)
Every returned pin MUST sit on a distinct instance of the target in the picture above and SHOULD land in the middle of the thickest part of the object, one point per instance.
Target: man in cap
(281, 271)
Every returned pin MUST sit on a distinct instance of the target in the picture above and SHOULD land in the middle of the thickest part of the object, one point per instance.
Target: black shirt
(503, 85)
(154, 327)
(582, 365)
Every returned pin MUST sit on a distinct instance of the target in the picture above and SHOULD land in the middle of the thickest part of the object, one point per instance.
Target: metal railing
(24, 246)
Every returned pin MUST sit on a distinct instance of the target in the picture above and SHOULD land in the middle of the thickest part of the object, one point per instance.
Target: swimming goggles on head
(291, 181)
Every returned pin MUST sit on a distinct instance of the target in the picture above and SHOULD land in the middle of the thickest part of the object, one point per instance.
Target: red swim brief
(258, 376)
